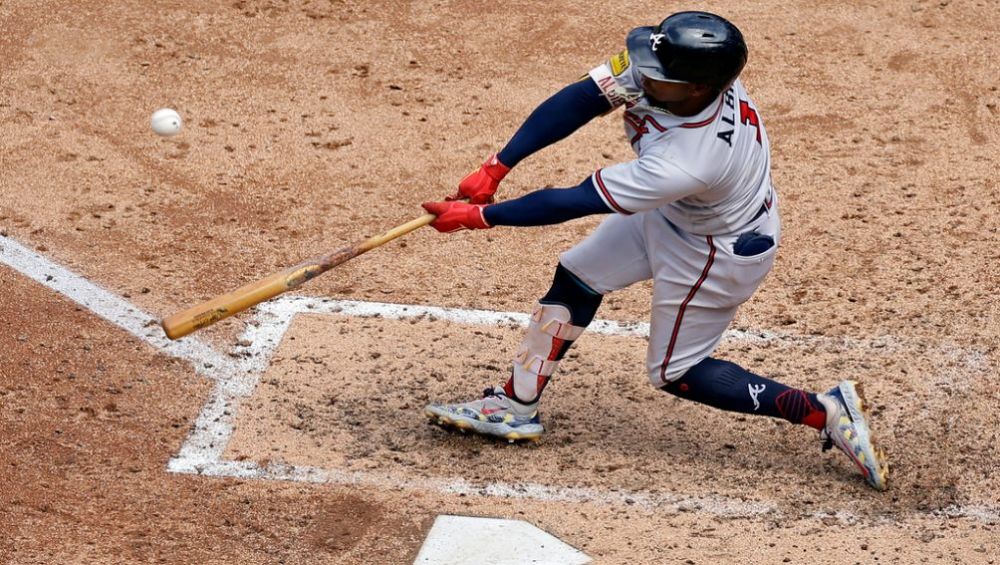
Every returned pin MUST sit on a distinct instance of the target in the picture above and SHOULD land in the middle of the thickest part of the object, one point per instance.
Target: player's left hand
(457, 216)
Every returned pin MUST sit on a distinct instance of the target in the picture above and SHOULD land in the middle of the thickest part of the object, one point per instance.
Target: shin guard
(549, 335)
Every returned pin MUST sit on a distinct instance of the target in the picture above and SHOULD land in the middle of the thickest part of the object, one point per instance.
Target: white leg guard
(548, 334)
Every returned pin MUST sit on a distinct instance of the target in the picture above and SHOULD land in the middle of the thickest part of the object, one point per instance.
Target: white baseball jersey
(707, 174)
(697, 184)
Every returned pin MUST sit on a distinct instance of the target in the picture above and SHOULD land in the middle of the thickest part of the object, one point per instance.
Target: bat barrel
(221, 307)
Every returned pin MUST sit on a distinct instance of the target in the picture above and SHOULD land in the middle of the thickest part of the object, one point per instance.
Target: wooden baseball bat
(225, 305)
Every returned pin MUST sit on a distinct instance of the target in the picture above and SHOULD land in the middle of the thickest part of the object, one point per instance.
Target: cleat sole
(484, 429)
(859, 410)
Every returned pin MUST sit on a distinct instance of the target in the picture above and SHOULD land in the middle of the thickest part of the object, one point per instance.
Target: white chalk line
(206, 361)
(307, 474)
(236, 377)
(263, 335)
(280, 312)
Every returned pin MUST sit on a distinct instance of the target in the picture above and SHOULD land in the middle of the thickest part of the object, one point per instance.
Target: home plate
(464, 540)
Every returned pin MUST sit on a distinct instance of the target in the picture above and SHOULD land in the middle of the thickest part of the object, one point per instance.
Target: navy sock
(728, 386)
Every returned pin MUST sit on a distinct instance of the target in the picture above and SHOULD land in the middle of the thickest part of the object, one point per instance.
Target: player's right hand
(456, 216)
(480, 185)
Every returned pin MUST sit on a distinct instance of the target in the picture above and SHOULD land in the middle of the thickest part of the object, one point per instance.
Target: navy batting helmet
(693, 47)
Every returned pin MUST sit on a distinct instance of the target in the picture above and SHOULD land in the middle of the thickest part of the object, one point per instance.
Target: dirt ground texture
(310, 125)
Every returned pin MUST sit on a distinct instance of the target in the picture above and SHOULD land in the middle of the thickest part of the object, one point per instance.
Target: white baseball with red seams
(697, 183)
(166, 122)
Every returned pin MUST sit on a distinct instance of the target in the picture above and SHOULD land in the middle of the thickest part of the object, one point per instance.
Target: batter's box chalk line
(237, 374)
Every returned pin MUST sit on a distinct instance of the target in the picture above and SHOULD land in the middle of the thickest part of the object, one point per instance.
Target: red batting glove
(480, 185)
(456, 216)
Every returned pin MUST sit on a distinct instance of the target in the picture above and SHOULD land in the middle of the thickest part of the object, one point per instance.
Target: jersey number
(639, 125)
(748, 116)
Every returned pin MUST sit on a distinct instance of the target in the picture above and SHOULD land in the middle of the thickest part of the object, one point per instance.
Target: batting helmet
(692, 47)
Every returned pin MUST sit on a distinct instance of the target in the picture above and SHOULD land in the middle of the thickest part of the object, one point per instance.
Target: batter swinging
(695, 212)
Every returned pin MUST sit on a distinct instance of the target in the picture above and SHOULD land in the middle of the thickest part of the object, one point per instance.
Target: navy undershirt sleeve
(562, 114)
(548, 206)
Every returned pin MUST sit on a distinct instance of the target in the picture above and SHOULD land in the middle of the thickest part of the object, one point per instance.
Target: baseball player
(695, 211)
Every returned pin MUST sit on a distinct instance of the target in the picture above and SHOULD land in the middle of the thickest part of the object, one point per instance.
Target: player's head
(689, 47)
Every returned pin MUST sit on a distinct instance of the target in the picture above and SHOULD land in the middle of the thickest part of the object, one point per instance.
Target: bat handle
(400, 230)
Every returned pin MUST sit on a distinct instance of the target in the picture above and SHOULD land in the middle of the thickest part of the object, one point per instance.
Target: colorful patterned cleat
(847, 428)
(493, 415)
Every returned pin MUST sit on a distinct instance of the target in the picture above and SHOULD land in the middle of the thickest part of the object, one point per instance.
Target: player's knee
(569, 291)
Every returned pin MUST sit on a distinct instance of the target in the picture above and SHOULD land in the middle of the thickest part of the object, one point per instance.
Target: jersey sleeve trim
(602, 190)
(603, 76)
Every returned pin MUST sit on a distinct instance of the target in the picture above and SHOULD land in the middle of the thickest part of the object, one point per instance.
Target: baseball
(166, 122)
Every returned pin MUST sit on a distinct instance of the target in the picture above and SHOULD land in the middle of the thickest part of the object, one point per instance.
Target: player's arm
(600, 91)
(603, 89)
(646, 183)
(554, 119)
(643, 184)
(538, 208)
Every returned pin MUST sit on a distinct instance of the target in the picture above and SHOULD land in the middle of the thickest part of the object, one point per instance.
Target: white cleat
(847, 428)
(495, 415)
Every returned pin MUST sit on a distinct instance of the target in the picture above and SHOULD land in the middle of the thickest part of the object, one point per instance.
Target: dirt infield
(310, 125)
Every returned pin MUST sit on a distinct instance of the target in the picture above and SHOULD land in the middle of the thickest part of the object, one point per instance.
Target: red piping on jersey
(680, 311)
(607, 195)
(704, 123)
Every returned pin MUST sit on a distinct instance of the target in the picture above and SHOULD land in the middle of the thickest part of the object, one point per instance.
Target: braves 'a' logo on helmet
(655, 39)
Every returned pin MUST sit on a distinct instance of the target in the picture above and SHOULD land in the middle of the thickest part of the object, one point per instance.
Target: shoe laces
(827, 442)
(824, 434)
(499, 393)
